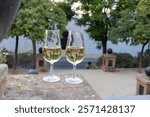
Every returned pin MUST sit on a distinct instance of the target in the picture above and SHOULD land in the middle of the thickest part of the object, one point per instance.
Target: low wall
(3, 79)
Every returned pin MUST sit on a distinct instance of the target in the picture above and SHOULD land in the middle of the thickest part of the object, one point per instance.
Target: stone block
(109, 62)
(143, 84)
(41, 64)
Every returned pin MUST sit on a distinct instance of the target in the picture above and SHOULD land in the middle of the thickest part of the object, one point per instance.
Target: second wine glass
(52, 52)
(75, 54)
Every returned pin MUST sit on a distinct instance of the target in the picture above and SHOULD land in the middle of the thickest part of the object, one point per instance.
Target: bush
(146, 58)
(2, 58)
(126, 60)
(25, 60)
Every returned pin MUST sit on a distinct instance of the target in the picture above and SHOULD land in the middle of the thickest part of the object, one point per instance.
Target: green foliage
(94, 18)
(142, 29)
(97, 15)
(125, 21)
(2, 58)
(66, 7)
(126, 60)
(146, 60)
(35, 16)
(133, 22)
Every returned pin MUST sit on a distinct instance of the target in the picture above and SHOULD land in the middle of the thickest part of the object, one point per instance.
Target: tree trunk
(104, 40)
(149, 48)
(34, 54)
(104, 46)
(16, 54)
(141, 56)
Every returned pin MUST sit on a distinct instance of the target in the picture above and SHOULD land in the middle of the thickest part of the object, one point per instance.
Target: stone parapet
(41, 64)
(109, 62)
(33, 87)
(3, 79)
(143, 84)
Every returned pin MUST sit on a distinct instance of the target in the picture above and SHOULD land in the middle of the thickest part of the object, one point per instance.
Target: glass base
(75, 80)
(51, 78)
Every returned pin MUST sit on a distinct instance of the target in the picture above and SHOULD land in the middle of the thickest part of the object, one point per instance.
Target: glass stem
(74, 71)
(51, 69)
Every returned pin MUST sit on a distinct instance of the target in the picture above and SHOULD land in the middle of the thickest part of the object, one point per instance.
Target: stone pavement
(112, 84)
(106, 84)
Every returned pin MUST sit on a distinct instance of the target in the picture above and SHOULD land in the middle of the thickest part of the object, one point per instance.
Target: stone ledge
(3, 79)
(143, 78)
(32, 87)
(143, 84)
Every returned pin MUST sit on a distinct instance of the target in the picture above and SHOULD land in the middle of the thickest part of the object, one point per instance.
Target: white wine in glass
(75, 54)
(52, 52)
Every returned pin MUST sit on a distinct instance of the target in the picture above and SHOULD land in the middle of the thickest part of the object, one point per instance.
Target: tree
(97, 16)
(124, 23)
(34, 17)
(66, 7)
(133, 23)
(141, 33)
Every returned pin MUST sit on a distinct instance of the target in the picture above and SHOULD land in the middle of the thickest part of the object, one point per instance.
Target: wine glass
(52, 52)
(75, 54)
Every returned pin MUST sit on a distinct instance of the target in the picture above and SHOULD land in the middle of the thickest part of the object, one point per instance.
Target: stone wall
(3, 79)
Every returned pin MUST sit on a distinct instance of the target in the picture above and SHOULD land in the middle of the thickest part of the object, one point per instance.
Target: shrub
(2, 57)
(126, 60)
(146, 58)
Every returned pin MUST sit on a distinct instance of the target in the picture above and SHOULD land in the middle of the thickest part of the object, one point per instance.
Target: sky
(90, 46)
